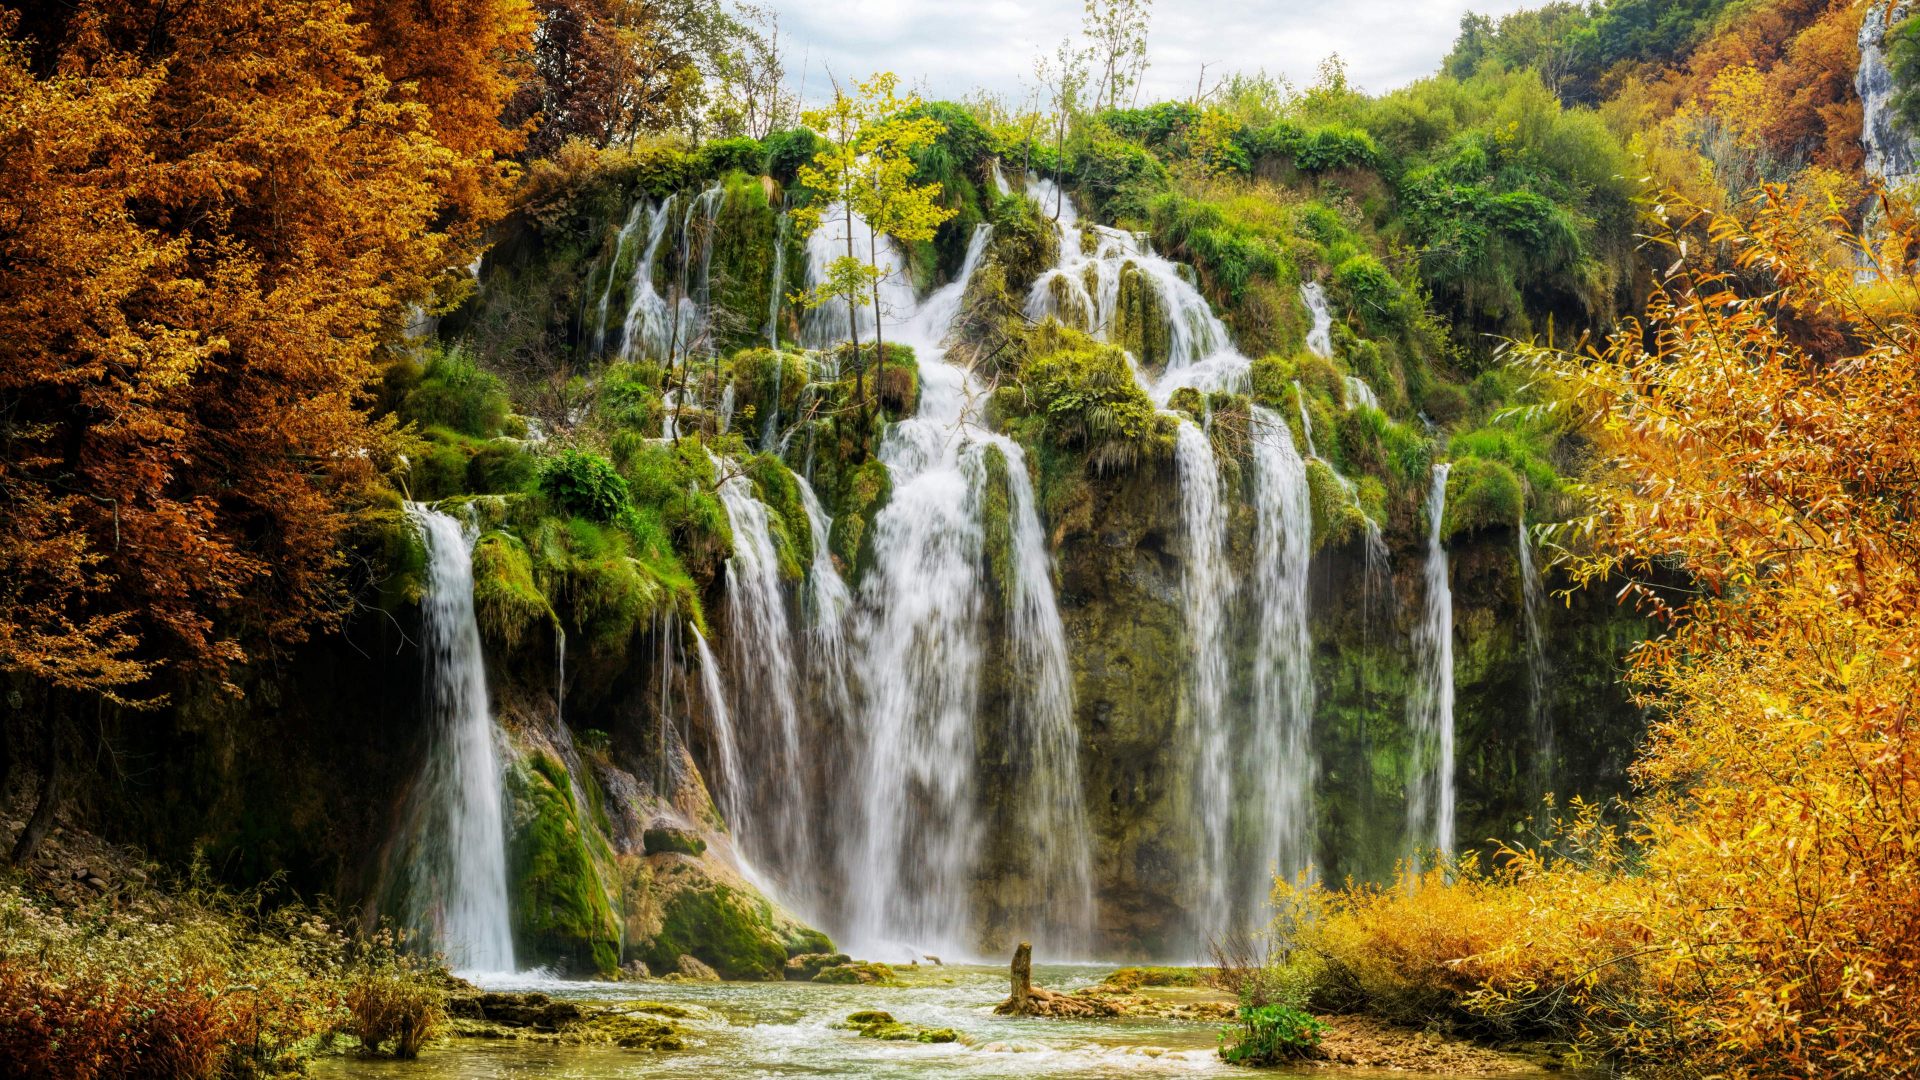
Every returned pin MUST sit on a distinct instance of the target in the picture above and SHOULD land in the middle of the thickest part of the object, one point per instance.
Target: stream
(787, 1029)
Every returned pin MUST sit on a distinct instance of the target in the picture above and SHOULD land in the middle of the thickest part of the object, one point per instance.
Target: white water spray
(1430, 709)
(458, 876)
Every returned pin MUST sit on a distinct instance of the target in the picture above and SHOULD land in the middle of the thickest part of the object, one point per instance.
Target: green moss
(505, 599)
(870, 486)
(454, 392)
(862, 973)
(501, 467)
(1481, 494)
(1336, 517)
(1139, 321)
(766, 385)
(744, 235)
(1024, 241)
(558, 867)
(722, 926)
(400, 556)
(787, 521)
(806, 941)
(1078, 394)
(679, 841)
(996, 523)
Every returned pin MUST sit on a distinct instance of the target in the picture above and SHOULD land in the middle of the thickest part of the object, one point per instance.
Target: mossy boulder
(1140, 319)
(665, 839)
(874, 1024)
(1481, 494)
(558, 866)
(864, 973)
(506, 601)
(804, 967)
(722, 923)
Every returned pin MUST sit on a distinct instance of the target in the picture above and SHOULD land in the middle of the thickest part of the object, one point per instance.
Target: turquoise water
(785, 1030)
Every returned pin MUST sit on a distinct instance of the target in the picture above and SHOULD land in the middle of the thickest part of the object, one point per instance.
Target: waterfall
(1083, 290)
(830, 324)
(1320, 334)
(1000, 179)
(1539, 707)
(620, 244)
(728, 781)
(1430, 708)
(1279, 758)
(648, 320)
(1359, 393)
(1306, 421)
(457, 882)
(919, 642)
(1206, 587)
(774, 830)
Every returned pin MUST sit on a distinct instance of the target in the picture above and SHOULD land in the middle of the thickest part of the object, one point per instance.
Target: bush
(586, 484)
(455, 393)
(1271, 1035)
(393, 998)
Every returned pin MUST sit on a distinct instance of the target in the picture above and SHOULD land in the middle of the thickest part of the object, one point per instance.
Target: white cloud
(950, 49)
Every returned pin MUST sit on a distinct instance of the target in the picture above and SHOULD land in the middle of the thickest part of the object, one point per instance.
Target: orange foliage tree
(212, 215)
(1764, 441)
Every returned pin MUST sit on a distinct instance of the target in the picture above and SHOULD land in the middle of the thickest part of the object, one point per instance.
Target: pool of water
(786, 1029)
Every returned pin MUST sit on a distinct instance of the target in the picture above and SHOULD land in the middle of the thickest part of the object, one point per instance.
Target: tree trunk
(879, 334)
(42, 820)
(853, 332)
(1022, 979)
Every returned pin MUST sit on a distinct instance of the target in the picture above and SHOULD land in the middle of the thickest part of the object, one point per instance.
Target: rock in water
(1030, 1000)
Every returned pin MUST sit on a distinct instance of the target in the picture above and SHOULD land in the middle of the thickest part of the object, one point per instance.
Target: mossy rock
(806, 941)
(804, 967)
(667, 840)
(1481, 494)
(1140, 320)
(863, 973)
(557, 866)
(506, 601)
(867, 492)
(1337, 518)
(779, 490)
(874, 1024)
(730, 928)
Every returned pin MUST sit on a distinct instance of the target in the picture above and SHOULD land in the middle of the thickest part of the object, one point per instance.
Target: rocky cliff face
(1893, 154)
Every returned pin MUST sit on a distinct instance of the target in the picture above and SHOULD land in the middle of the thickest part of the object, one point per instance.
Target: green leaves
(586, 485)
(1271, 1035)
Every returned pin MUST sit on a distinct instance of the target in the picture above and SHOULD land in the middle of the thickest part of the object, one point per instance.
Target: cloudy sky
(949, 47)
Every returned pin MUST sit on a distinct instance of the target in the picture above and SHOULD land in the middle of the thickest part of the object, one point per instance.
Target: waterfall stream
(1430, 708)
(1279, 761)
(1533, 602)
(457, 875)
(1206, 587)
(775, 832)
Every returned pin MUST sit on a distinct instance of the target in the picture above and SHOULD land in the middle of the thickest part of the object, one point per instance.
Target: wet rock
(804, 967)
(874, 1024)
(534, 1011)
(665, 840)
(868, 973)
(692, 969)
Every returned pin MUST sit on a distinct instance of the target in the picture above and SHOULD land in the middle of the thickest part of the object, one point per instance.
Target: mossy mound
(725, 925)
(507, 602)
(864, 973)
(683, 841)
(804, 967)
(874, 1024)
(558, 866)
(1481, 494)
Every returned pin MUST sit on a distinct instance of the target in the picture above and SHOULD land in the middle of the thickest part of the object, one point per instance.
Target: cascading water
(920, 649)
(620, 246)
(775, 831)
(832, 323)
(1306, 419)
(1359, 393)
(1206, 587)
(1430, 708)
(1279, 762)
(1533, 602)
(1320, 333)
(770, 427)
(729, 780)
(649, 320)
(457, 869)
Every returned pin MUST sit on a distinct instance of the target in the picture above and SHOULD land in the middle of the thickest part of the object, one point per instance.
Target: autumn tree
(1757, 432)
(864, 169)
(212, 215)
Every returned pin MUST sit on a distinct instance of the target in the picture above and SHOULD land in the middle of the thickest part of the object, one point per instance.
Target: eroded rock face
(1893, 154)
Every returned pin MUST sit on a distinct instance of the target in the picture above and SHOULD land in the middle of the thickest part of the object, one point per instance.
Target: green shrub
(1271, 1035)
(501, 467)
(586, 484)
(455, 393)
